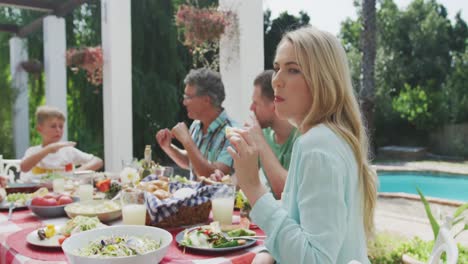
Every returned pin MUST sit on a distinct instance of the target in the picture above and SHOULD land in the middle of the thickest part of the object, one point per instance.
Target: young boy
(52, 154)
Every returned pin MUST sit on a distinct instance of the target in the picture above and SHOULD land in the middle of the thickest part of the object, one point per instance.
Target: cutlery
(10, 210)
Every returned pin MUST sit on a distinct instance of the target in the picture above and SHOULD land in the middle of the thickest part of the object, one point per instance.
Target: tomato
(62, 239)
(104, 185)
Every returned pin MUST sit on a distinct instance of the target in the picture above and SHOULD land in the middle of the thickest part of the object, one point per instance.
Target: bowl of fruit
(50, 205)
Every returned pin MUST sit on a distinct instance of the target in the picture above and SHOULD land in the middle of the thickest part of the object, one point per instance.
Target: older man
(205, 143)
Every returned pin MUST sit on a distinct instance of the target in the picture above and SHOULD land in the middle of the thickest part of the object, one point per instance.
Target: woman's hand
(244, 152)
(263, 258)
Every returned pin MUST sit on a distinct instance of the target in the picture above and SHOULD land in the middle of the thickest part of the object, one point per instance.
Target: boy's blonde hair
(325, 66)
(45, 112)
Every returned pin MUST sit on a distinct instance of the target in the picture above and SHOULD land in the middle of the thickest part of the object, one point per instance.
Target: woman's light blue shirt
(320, 217)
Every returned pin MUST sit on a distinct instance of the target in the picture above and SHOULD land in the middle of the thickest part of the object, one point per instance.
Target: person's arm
(274, 171)
(94, 164)
(179, 156)
(318, 235)
(200, 165)
(30, 161)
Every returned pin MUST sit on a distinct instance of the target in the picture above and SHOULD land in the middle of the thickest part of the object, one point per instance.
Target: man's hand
(217, 175)
(164, 137)
(54, 147)
(181, 133)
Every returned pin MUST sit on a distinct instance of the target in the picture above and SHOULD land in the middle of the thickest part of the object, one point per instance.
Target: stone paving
(408, 217)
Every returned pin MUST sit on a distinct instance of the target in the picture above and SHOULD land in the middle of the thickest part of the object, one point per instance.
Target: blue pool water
(440, 186)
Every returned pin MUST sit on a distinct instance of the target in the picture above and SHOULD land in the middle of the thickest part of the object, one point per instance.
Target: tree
(419, 69)
(275, 29)
(368, 44)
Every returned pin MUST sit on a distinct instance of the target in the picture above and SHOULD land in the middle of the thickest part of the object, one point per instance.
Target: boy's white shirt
(59, 159)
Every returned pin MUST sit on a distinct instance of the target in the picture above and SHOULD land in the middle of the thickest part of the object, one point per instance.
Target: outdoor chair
(9, 168)
(445, 242)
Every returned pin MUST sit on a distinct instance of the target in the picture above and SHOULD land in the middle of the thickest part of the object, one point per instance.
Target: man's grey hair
(207, 82)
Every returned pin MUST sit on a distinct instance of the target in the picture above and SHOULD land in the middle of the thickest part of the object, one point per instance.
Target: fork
(10, 210)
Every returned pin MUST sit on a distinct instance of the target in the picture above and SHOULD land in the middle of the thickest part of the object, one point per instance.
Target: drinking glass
(85, 181)
(133, 207)
(222, 204)
(168, 172)
(58, 185)
(133, 163)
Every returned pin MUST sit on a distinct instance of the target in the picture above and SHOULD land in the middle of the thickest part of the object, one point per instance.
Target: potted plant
(32, 66)
(202, 29)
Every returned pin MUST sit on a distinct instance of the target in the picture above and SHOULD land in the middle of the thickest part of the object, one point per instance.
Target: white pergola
(241, 59)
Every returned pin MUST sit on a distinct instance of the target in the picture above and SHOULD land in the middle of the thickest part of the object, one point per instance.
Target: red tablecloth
(16, 250)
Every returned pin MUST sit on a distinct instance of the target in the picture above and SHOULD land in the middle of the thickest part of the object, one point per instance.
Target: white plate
(33, 239)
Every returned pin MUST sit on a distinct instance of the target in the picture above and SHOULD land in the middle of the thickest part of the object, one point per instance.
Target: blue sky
(328, 14)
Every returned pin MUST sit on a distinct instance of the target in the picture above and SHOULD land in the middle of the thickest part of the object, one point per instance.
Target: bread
(161, 194)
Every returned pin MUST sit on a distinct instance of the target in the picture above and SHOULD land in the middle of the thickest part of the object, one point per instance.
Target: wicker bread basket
(187, 215)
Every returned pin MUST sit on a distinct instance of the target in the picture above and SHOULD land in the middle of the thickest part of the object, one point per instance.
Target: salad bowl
(75, 247)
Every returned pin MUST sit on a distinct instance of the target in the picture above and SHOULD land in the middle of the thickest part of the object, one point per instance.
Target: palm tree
(368, 46)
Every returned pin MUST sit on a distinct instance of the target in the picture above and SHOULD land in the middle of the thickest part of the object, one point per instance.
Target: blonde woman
(327, 207)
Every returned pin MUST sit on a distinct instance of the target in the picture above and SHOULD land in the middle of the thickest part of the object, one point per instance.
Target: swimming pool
(443, 186)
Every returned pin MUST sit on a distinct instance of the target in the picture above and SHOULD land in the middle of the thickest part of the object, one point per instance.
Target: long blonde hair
(324, 64)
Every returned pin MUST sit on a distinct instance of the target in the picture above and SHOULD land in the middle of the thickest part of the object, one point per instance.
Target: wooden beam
(30, 28)
(59, 11)
(68, 6)
(43, 6)
(9, 28)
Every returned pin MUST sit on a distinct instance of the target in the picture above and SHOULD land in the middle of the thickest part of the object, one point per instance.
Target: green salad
(79, 224)
(118, 246)
(18, 198)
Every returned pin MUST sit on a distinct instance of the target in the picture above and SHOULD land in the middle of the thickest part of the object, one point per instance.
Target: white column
(241, 55)
(117, 93)
(19, 53)
(55, 65)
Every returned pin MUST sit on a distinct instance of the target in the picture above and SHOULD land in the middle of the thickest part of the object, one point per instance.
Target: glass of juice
(222, 204)
(85, 188)
(133, 207)
(58, 185)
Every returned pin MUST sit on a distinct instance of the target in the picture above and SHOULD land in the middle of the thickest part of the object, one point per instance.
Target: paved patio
(408, 217)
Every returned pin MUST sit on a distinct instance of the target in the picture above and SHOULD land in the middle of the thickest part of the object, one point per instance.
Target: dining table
(15, 249)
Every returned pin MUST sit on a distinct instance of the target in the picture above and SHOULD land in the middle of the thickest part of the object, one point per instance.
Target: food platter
(52, 242)
(4, 205)
(180, 237)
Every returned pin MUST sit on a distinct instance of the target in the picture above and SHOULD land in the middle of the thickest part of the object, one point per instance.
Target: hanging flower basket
(201, 30)
(201, 25)
(32, 66)
(89, 59)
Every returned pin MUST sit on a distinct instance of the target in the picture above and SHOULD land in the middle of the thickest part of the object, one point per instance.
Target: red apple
(65, 200)
(38, 201)
(50, 202)
(50, 195)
